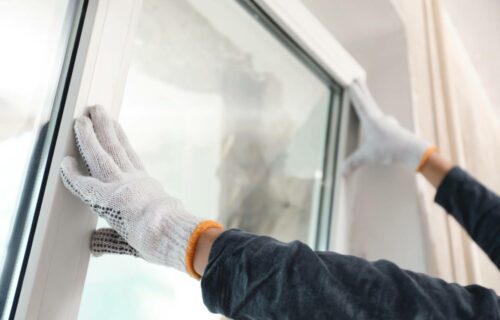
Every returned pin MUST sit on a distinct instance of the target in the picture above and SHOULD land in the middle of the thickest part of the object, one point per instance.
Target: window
(34, 37)
(232, 105)
(236, 122)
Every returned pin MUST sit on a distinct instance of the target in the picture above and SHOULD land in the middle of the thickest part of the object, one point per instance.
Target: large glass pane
(231, 122)
(34, 36)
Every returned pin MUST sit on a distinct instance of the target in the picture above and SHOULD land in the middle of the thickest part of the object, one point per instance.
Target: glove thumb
(107, 240)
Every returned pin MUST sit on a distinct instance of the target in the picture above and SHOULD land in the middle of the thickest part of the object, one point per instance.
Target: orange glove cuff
(193, 241)
(428, 152)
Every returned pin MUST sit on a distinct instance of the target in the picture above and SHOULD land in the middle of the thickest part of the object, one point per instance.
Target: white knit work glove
(145, 221)
(384, 140)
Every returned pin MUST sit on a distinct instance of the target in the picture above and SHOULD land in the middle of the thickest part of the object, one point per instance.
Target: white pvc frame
(60, 253)
(300, 24)
(57, 266)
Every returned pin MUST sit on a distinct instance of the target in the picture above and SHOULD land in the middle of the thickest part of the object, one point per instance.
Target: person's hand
(384, 141)
(145, 220)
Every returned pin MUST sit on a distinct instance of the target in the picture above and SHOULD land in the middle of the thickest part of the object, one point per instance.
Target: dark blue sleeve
(257, 277)
(476, 208)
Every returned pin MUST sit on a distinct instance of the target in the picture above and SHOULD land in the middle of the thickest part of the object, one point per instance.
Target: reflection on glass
(34, 37)
(231, 123)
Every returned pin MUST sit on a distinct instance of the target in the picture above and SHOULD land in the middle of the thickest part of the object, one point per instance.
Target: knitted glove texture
(145, 220)
(384, 140)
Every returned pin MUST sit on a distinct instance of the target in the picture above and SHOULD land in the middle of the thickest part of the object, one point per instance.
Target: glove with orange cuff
(385, 141)
(145, 221)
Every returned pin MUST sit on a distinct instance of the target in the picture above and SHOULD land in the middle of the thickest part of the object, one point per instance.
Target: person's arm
(435, 169)
(257, 277)
(203, 248)
(475, 207)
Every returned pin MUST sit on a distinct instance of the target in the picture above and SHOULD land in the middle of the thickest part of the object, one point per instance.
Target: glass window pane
(34, 36)
(232, 123)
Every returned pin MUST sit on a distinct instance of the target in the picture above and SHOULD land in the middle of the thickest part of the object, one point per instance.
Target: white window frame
(55, 274)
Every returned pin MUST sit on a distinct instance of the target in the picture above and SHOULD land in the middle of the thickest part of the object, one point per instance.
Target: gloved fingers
(85, 187)
(99, 163)
(107, 240)
(365, 105)
(132, 155)
(358, 159)
(105, 132)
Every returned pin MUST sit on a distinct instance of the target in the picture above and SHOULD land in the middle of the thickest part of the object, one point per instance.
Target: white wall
(382, 200)
(478, 25)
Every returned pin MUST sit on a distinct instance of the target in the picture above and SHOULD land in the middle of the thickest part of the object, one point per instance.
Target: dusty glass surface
(34, 35)
(230, 122)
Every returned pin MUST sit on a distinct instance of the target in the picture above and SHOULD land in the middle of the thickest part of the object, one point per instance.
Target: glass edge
(329, 173)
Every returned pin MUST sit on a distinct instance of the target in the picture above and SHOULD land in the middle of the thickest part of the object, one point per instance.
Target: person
(247, 276)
